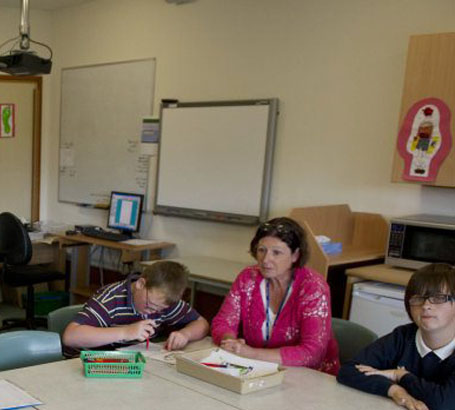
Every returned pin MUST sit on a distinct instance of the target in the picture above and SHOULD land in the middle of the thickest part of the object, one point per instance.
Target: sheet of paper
(141, 241)
(256, 368)
(156, 351)
(13, 397)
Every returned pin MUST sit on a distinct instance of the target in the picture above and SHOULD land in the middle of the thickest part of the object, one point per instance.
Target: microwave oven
(417, 240)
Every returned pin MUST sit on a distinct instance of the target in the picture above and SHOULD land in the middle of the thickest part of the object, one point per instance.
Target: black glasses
(438, 299)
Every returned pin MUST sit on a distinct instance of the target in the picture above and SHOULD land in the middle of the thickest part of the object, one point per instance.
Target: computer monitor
(125, 212)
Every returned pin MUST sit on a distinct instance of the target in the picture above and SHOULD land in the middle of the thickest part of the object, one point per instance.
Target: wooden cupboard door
(430, 73)
(20, 146)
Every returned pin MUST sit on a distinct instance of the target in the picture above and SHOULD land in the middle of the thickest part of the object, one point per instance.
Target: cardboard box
(189, 363)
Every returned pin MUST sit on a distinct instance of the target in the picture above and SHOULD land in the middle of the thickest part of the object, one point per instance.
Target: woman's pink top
(303, 329)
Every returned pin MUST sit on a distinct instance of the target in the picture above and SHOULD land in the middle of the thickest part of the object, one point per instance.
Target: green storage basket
(124, 364)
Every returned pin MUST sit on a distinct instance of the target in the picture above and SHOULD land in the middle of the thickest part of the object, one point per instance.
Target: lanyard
(267, 307)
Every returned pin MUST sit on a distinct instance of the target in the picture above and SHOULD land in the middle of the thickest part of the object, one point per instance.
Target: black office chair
(15, 254)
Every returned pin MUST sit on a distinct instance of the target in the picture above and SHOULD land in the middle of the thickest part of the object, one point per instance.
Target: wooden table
(379, 273)
(62, 386)
(214, 275)
(80, 260)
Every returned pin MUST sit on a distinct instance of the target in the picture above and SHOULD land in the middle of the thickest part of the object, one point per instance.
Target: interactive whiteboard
(215, 160)
(102, 107)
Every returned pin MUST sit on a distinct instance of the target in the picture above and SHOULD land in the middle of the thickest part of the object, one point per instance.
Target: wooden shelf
(363, 235)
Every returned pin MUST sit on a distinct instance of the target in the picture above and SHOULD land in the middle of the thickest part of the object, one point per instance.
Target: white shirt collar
(443, 352)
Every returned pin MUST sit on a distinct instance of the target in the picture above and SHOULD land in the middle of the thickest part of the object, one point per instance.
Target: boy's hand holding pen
(140, 331)
(155, 324)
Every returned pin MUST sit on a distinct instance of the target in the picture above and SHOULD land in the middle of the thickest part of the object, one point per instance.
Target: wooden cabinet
(363, 236)
(430, 75)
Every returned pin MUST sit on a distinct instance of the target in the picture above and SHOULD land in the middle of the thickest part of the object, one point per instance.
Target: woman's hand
(237, 346)
(392, 374)
(401, 397)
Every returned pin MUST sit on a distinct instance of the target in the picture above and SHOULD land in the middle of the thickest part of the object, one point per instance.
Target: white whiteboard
(101, 113)
(215, 160)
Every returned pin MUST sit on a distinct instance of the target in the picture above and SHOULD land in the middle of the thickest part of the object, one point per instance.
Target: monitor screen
(125, 211)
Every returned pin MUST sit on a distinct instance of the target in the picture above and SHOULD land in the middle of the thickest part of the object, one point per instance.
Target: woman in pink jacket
(279, 310)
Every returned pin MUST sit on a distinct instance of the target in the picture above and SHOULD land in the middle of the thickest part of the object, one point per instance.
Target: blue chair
(58, 319)
(28, 347)
(351, 338)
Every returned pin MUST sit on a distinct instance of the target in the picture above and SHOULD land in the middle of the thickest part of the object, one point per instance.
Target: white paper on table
(13, 397)
(259, 367)
(156, 351)
(140, 241)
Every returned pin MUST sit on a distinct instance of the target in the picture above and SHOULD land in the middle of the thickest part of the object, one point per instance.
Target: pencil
(227, 366)
(147, 343)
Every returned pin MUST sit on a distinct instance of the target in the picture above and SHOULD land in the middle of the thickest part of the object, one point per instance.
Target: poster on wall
(150, 135)
(424, 140)
(7, 124)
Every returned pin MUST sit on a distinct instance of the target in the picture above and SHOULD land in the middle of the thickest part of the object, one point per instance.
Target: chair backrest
(15, 244)
(351, 338)
(28, 347)
(58, 319)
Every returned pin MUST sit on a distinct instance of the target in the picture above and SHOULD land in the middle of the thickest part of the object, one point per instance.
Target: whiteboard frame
(204, 214)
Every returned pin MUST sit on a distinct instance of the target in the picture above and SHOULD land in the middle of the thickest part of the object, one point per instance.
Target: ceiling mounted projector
(24, 61)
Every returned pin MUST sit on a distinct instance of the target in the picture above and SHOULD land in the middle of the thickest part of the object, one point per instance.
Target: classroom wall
(16, 153)
(336, 66)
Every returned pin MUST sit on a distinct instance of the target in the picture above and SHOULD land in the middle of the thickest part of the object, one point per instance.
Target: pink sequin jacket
(302, 331)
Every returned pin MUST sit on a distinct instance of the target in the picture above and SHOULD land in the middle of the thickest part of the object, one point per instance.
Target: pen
(147, 343)
(226, 365)
(214, 365)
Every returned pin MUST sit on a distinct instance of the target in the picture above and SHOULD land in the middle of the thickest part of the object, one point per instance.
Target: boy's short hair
(429, 280)
(170, 277)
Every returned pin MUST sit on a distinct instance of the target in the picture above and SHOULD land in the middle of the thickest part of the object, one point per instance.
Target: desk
(80, 260)
(214, 275)
(380, 273)
(62, 386)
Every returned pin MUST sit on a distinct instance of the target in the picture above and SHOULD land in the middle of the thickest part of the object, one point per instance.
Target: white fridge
(378, 306)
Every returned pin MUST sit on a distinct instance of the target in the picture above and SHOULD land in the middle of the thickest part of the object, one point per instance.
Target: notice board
(215, 160)
(102, 107)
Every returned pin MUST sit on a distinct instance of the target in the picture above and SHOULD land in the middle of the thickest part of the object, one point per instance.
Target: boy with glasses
(137, 309)
(415, 364)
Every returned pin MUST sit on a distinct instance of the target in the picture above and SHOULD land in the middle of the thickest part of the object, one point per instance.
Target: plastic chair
(58, 319)
(15, 254)
(351, 338)
(23, 348)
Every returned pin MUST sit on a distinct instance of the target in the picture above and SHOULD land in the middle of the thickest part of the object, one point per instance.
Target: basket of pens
(112, 364)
